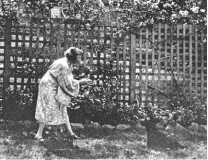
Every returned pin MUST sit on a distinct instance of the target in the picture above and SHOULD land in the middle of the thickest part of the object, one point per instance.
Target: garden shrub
(20, 104)
(99, 102)
(172, 104)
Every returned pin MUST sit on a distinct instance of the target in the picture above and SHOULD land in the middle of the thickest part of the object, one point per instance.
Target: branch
(1, 28)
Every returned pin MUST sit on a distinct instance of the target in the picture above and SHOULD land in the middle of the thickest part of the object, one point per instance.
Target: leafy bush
(179, 107)
(20, 104)
(189, 110)
(98, 102)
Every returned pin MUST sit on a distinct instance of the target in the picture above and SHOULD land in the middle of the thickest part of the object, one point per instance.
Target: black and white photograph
(103, 79)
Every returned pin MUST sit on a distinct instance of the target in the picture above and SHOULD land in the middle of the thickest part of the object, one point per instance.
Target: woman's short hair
(72, 53)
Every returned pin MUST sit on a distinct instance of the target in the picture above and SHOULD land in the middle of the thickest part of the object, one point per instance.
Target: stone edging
(122, 127)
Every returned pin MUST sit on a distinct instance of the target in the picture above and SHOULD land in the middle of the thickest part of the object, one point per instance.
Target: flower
(174, 16)
(108, 42)
(155, 6)
(152, 21)
(202, 10)
(87, 25)
(183, 13)
(78, 16)
(195, 9)
(136, 1)
(167, 5)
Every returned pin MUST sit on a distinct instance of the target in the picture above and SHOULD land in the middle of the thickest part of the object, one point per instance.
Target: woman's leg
(39, 134)
(68, 127)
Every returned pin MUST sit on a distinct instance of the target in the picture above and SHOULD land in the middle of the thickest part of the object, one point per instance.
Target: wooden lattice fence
(145, 58)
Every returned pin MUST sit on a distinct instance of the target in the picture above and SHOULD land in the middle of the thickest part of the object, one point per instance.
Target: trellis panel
(141, 57)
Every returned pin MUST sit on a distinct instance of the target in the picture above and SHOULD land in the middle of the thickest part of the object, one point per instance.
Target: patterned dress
(56, 88)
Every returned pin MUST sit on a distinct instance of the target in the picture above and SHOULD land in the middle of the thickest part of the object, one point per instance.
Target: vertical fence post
(190, 60)
(202, 65)
(133, 68)
(124, 72)
(196, 59)
(51, 45)
(7, 51)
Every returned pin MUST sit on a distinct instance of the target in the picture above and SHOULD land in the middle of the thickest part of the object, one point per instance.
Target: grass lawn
(16, 142)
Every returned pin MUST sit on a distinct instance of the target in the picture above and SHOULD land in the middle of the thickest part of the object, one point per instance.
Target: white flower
(101, 4)
(166, 5)
(95, 41)
(108, 42)
(202, 10)
(87, 26)
(152, 21)
(78, 16)
(183, 13)
(173, 16)
(155, 6)
(180, 12)
(195, 9)
(136, 1)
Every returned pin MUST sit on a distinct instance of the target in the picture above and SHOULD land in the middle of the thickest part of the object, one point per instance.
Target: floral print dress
(56, 88)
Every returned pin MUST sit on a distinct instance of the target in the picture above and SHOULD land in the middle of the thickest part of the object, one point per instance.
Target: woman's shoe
(74, 136)
(40, 139)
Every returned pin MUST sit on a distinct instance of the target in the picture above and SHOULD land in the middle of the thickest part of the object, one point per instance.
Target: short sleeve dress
(56, 88)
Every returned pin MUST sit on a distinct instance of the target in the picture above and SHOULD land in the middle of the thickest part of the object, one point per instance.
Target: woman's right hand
(85, 80)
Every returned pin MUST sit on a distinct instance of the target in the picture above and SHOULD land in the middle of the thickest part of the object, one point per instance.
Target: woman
(55, 91)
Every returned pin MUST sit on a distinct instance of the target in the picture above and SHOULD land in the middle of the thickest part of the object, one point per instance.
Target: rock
(159, 126)
(77, 126)
(6, 141)
(194, 127)
(10, 122)
(28, 124)
(94, 125)
(107, 126)
(123, 127)
(159, 140)
(179, 130)
(203, 129)
(2, 121)
(139, 126)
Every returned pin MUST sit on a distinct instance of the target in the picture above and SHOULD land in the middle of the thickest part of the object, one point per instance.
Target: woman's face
(79, 62)
(79, 58)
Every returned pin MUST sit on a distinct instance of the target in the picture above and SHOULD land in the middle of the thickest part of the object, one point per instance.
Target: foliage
(20, 100)
(131, 14)
(179, 108)
(98, 102)
(20, 103)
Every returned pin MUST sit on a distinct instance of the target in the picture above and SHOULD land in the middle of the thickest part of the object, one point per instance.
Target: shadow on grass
(63, 149)
(95, 144)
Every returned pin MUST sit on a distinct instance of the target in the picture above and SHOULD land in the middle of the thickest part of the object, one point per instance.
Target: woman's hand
(85, 80)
